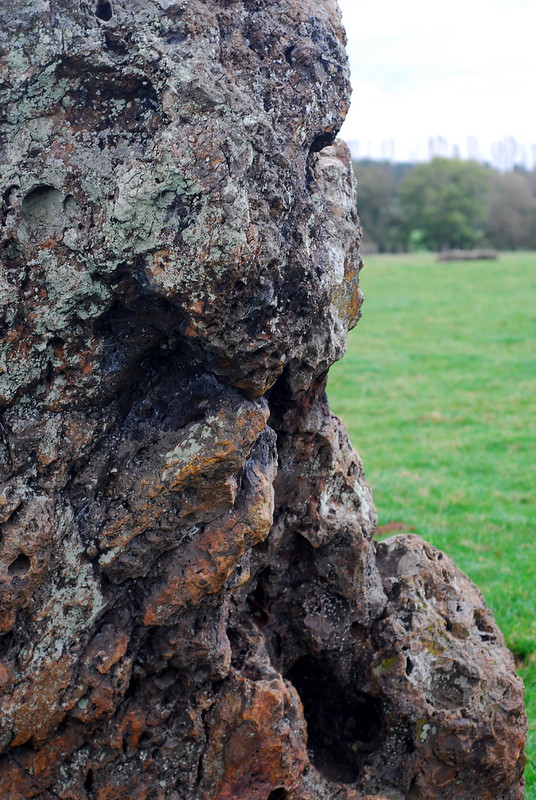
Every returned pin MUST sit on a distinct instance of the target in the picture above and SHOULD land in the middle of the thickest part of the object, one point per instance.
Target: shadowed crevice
(342, 725)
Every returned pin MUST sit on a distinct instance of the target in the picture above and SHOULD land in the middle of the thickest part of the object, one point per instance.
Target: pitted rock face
(170, 152)
(192, 606)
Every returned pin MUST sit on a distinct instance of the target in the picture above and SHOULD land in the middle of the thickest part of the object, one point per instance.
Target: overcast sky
(458, 70)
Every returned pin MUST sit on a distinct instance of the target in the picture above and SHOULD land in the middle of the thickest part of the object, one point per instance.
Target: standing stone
(192, 604)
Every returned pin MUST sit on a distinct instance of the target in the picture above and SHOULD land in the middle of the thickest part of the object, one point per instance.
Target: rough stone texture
(192, 603)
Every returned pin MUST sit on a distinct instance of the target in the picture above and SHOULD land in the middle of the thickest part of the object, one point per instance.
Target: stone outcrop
(192, 603)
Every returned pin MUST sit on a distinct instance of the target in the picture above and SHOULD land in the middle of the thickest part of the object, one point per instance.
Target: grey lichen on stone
(193, 606)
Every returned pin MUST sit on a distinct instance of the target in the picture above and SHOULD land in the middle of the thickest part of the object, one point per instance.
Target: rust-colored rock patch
(192, 605)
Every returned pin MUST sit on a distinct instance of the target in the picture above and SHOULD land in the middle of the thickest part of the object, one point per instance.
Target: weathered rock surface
(192, 605)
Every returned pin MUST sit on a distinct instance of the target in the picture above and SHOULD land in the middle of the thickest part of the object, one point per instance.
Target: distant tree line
(445, 203)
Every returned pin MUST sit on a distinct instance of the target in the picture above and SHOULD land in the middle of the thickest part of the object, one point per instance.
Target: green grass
(438, 391)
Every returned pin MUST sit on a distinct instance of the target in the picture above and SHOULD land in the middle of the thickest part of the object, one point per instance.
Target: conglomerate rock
(192, 604)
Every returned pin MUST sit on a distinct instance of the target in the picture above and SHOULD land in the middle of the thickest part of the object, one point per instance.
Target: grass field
(438, 391)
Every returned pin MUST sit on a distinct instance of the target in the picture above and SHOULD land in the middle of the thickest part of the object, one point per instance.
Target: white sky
(424, 69)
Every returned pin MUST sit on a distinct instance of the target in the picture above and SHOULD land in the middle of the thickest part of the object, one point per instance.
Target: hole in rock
(39, 198)
(20, 566)
(288, 53)
(278, 794)
(104, 10)
(322, 140)
(43, 214)
(24, 751)
(259, 606)
(88, 783)
(113, 42)
(175, 39)
(7, 640)
(342, 724)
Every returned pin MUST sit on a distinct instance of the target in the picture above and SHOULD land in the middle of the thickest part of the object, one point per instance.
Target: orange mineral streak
(160, 266)
(259, 748)
(5, 677)
(348, 297)
(132, 727)
(7, 618)
(208, 562)
(222, 447)
(134, 789)
(36, 699)
(48, 244)
(24, 771)
(106, 650)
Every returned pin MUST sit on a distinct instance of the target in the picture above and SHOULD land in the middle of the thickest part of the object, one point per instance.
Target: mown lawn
(438, 391)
